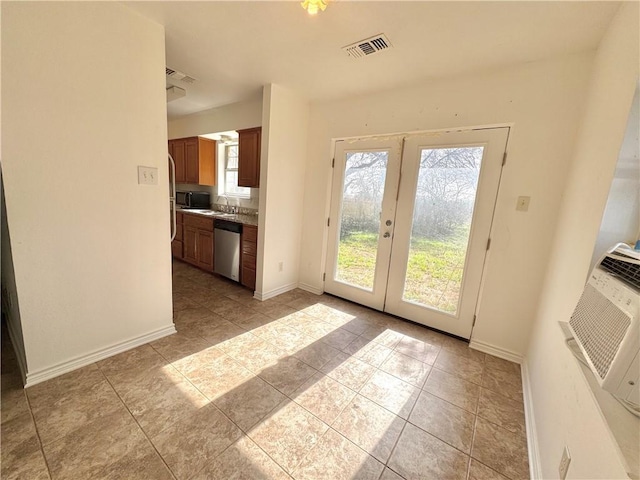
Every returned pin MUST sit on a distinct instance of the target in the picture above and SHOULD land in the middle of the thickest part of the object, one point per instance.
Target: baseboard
(535, 467)
(262, 296)
(33, 378)
(495, 351)
(18, 347)
(311, 289)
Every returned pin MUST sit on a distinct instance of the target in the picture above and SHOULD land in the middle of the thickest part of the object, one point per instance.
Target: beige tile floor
(300, 386)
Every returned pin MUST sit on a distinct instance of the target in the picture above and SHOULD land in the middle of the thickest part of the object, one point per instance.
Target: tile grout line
(377, 368)
(395, 445)
(475, 416)
(268, 415)
(137, 423)
(35, 426)
(211, 402)
(473, 440)
(287, 396)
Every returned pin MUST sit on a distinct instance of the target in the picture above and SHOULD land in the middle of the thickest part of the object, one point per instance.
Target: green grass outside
(434, 271)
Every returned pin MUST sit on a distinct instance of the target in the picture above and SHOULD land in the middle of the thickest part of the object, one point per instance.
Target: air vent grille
(627, 270)
(600, 327)
(176, 75)
(368, 46)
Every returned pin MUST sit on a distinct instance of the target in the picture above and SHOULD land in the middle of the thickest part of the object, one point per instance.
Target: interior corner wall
(282, 172)
(542, 102)
(234, 116)
(83, 105)
(564, 409)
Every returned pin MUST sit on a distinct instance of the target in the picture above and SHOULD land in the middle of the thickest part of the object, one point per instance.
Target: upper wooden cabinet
(249, 141)
(195, 159)
(177, 151)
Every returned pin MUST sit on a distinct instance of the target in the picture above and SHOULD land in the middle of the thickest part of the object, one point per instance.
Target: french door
(410, 220)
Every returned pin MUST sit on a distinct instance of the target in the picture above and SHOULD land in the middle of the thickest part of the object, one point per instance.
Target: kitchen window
(230, 184)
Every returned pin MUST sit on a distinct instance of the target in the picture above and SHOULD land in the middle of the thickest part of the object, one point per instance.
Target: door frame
(330, 186)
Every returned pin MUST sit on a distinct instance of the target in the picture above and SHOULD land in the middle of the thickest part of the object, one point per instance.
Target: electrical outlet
(147, 175)
(280, 266)
(523, 204)
(563, 468)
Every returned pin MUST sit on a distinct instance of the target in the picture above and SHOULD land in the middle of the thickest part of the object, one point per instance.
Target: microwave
(193, 199)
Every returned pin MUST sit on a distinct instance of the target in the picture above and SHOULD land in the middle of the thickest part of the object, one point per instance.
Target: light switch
(147, 175)
(523, 204)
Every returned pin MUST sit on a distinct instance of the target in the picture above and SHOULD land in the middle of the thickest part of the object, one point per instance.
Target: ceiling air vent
(176, 75)
(368, 46)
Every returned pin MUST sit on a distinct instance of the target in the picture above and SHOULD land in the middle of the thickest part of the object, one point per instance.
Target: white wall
(621, 219)
(542, 101)
(282, 173)
(84, 105)
(564, 410)
(222, 119)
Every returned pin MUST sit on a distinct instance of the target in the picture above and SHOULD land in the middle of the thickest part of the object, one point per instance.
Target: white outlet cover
(147, 175)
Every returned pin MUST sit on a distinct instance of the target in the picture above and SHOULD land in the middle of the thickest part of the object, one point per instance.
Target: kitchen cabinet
(195, 159)
(177, 151)
(249, 144)
(190, 241)
(248, 259)
(198, 241)
(177, 244)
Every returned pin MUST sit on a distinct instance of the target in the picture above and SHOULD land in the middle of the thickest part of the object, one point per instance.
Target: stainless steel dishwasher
(227, 248)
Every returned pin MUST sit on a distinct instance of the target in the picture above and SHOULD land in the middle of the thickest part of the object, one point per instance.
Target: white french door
(410, 220)
(364, 188)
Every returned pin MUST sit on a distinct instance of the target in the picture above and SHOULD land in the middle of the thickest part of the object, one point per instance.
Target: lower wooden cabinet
(189, 242)
(195, 244)
(197, 241)
(204, 249)
(249, 242)
(177, 245)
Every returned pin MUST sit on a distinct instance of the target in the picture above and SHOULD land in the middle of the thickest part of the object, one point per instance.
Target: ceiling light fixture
(312, 6)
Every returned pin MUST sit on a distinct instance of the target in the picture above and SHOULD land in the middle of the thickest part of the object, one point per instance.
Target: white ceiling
(233, 48)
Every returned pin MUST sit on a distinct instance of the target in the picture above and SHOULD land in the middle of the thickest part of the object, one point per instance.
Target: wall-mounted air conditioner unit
(605, 323)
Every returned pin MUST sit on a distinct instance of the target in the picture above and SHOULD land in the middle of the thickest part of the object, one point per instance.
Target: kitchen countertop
(232, 217)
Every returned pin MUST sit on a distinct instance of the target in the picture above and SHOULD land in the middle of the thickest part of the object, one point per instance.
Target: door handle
(388, 223)
(386, 235)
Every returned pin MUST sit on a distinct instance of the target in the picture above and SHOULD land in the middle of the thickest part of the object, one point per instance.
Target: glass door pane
(364, 191)
(443, 210)
(362, 195)
(445, 206)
